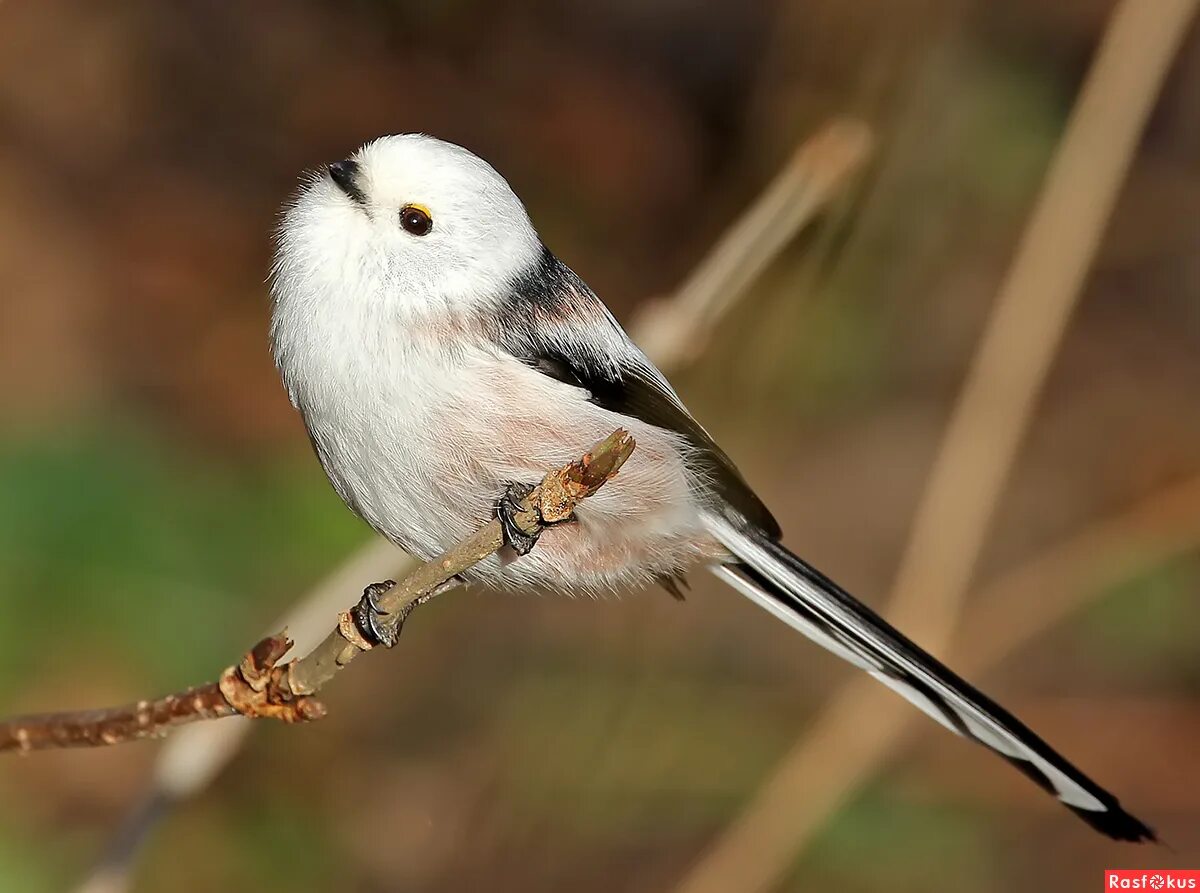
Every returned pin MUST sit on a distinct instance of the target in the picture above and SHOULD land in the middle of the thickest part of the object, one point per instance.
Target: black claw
(369, 618)
(674, 585)
(509, 505)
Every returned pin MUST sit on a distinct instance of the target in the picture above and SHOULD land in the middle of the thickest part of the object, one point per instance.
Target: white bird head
(408, 223)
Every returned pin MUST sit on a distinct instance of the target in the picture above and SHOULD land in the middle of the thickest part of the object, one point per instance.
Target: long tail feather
(804, 598)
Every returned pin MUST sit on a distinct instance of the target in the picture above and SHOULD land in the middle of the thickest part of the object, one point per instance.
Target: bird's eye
(415, 220)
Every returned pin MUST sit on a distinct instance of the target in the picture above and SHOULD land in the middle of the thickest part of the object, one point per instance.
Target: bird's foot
(369, 618)
(507, 507)
(674, 584)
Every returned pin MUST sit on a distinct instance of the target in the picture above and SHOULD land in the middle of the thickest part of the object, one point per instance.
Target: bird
(443, 358)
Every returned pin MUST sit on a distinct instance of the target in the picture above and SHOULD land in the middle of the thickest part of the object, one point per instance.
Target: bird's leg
(368, 616)
(509, 505)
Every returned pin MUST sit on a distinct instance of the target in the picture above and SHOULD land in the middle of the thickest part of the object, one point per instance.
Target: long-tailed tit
(440, 355)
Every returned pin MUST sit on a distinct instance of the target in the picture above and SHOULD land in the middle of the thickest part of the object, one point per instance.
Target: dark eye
(415, 220)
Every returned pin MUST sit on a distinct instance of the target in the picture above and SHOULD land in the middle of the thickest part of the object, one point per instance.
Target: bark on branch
(260, 687)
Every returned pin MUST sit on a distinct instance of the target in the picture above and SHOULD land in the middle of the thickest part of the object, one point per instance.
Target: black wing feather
(549, 321)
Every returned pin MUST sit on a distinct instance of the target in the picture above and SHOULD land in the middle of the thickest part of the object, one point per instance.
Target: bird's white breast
(420, 424)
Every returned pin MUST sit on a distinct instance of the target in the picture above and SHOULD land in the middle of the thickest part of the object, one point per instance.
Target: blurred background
(159, 504)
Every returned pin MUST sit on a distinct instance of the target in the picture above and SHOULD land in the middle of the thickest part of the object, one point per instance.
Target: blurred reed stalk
(673, 332)
(859, 728)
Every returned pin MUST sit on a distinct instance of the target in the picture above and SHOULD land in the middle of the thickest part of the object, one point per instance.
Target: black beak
(345, 175)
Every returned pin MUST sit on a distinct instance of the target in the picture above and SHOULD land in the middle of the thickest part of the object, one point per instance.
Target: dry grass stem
(674, 331)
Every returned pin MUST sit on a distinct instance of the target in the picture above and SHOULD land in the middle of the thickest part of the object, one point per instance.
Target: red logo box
(1151, 879)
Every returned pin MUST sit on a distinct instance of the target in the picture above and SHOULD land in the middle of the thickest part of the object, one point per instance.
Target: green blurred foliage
(878, 842)
(1149, 626)
(130, 544)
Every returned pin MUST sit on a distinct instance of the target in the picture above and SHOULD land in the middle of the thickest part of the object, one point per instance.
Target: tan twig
(259, 687)
(977, 451)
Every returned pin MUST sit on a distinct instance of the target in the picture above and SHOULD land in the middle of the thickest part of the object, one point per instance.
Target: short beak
(345, 175)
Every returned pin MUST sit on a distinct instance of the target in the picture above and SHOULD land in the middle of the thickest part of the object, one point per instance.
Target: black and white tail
(804, 598)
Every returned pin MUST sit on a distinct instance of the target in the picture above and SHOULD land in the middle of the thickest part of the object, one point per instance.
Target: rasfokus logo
(1151, 879)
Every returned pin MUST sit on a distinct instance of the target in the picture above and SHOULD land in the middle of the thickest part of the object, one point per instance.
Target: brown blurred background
(160, 506)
